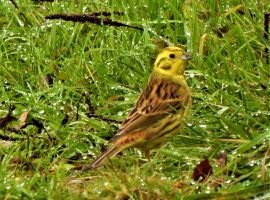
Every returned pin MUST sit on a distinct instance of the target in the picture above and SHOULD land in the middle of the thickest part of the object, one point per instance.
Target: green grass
(229, 78)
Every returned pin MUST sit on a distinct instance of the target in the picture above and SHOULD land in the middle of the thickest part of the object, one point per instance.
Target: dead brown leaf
(203, 170)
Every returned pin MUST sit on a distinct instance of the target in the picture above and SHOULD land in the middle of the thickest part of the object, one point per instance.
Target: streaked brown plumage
(159, 110)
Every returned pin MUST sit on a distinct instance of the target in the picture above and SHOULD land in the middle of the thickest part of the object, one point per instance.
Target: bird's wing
(160, 98)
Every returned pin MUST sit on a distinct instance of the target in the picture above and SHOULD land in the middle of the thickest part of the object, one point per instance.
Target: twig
(22, 14)
(266, 33)
(91, 17)
(90, 115)
(14, 4)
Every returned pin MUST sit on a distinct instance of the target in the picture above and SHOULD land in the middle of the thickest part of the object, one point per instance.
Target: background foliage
(51, 69)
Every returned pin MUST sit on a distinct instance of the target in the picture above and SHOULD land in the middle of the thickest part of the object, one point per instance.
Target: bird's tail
(111, 151)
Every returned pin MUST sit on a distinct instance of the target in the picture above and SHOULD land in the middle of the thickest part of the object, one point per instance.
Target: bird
(159, 111)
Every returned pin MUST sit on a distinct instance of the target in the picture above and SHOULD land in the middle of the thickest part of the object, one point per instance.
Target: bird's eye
(172, 55)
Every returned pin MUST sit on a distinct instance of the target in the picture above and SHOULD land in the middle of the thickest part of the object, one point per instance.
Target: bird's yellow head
(171, 61)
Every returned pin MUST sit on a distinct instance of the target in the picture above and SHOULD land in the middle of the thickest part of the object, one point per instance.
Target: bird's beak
(186, 56)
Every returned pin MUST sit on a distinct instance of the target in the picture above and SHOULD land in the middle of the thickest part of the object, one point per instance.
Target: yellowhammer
(159, 111)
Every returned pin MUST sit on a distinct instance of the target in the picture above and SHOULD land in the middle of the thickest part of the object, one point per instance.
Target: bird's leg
(147, 155)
